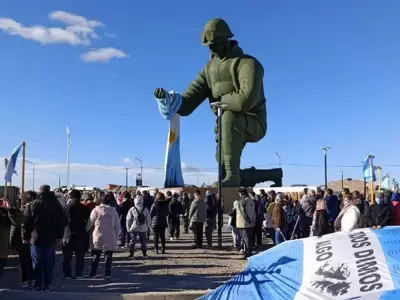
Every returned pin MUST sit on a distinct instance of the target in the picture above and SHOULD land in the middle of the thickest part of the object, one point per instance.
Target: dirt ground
(181, 268)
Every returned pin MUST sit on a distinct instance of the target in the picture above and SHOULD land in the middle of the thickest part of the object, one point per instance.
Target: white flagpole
(68, 154)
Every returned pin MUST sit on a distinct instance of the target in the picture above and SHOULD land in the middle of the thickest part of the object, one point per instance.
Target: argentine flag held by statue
(168, 108)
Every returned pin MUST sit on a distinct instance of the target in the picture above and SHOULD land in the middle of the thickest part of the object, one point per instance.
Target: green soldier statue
(236, 80)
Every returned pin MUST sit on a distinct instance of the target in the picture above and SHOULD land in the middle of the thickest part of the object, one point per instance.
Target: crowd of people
(286, 216)
(102, 223)
(99, 223)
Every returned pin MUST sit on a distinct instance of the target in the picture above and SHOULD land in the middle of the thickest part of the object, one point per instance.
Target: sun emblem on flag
(172, 136)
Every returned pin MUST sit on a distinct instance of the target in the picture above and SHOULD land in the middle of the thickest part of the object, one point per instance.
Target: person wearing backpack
(138, 223)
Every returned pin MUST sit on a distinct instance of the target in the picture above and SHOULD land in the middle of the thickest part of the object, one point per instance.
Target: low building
(351, 184)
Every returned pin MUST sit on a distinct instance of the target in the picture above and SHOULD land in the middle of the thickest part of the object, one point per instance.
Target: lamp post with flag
(369, 174)
(220, 109)
(68, 154)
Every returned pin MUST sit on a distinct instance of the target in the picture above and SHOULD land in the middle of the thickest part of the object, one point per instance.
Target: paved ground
(181, 268)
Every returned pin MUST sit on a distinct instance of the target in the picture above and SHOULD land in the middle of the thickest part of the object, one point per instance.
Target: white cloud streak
(99, 175)
(78, 30)
(103, 55)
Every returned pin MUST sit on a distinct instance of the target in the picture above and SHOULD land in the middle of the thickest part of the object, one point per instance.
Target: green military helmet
(214, 31)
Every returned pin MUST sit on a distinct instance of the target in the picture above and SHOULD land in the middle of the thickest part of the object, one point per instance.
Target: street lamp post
(220, 109)
(342, 181)
(279, 159)
(141, 170)
(33, 173)
(325, 149)
(126, 178)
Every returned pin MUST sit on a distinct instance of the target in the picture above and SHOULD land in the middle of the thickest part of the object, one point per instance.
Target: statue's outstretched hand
(159, 93)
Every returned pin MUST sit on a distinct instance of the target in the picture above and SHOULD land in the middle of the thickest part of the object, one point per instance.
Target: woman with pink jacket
(104, 227)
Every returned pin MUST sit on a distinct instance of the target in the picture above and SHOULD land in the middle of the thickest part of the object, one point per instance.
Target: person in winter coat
(211, 216)
(246, 220)
(138, 222)
(321, 221)
(279, 219)
(307, 210)
(237, 240)
(395, 198)
(43, 225)
(123, 210)
(104, 227)
(75, 235)
(331, 205)
(5, 225)
(24, 250)
(148, 203)
(175, 210)
(360, 202)
(90, 202)
(186, 207)
(379, 213)
(158, 214)
(197, 217)
(349, 217)
(260, 210)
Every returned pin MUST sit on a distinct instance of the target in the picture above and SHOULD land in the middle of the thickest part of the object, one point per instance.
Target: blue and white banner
(385, 182)
(12, 164)
(367, 170)
(173, 167)
(362, 264)
(168, 108)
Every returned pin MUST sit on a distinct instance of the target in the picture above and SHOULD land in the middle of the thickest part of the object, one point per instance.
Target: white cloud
(103, 55)
(110, 35)
(127, 160)
(100, 175)
(79, 30)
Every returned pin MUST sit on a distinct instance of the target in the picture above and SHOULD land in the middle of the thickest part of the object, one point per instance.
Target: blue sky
(331, 78)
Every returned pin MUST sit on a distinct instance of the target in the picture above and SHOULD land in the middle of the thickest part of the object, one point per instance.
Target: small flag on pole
(385, 182)
(68, 136)
(11, 164)
(367, 170)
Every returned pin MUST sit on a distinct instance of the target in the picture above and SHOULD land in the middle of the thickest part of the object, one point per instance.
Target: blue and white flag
(69, 140)
(168, 107)
(362, 264)
(385, 182)
(367, 170)
(12, 164)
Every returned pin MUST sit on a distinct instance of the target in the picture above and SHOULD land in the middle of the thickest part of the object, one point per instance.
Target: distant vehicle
(85, 188)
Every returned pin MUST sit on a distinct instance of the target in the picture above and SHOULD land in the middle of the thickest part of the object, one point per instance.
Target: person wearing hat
(246, 220)
(379, 214)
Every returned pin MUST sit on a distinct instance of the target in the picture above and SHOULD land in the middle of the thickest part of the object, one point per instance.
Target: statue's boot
(232, 177)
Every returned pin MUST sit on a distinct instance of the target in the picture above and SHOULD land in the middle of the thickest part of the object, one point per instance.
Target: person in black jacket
(211, 216)
(75, 236)
(175, 210)
(158, 213)
(380, 213)
(24, 251)
(186, 208)
(43, 225)
(148, 203)
(124, 208)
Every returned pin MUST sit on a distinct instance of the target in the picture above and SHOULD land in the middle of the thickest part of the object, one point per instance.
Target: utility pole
(126, 178)
(59, 181)
(342, 181)
(325, 149)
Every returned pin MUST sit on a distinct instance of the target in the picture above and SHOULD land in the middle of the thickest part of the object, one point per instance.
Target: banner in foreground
(363, 264)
